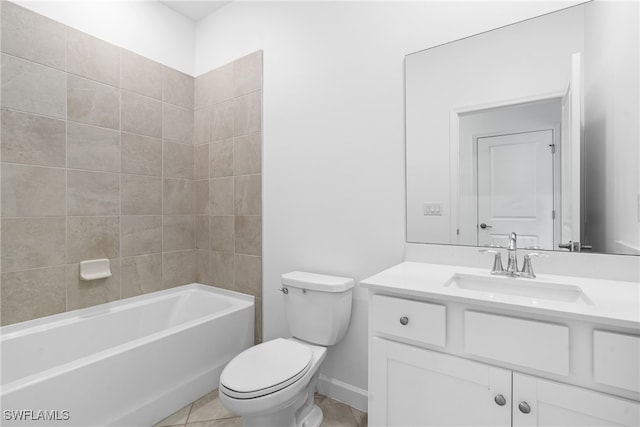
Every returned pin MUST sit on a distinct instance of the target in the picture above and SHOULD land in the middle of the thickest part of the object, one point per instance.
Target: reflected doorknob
(483, 226)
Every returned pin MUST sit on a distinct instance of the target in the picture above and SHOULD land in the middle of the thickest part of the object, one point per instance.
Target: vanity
(451, 345)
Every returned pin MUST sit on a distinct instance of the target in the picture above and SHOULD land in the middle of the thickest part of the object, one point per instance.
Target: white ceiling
(195, 10)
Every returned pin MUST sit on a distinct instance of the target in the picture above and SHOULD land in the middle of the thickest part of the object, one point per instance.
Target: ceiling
(195, 10)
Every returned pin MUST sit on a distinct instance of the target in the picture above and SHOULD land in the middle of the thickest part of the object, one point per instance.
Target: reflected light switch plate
(432, 208)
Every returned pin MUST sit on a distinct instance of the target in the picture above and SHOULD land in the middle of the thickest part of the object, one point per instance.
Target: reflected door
(515, 189)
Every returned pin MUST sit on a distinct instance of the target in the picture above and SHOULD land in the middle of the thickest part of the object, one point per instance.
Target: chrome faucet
(512, 263)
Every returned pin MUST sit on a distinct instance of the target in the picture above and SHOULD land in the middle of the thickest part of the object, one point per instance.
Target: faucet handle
(527, 266)
(497, 260)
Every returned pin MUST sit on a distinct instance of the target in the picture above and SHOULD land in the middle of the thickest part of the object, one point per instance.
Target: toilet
(273, 383)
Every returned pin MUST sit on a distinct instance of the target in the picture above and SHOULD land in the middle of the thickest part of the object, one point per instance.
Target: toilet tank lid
(317, 282)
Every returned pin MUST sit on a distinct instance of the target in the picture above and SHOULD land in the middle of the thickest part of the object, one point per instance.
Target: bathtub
(127, 363)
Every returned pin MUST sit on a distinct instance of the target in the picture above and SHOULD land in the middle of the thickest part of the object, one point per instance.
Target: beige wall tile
(93, 148)
(202, 232)
(221, 270)
(248, 195)
(31, 294)
(177, 124)
(90, 57)
(141, 115)
(222, 234)
(92, 103)
(93, 193)
(221, 196)
(248, 275)
(202, 197)
(221, 158)
(222, 119)
(202, 267)
(247, 154)
(141, 195)
(202, 161)
(214, 86)
(30, 139)
(140, 275)
(30, 87)
(247, 114)
(141, 75)
(31, 36)
(178, 232)
(178, 268)
(32, 243)
(140, 234)
(179, 197)
(32, 191)
(202, 126)
(92, 237)
(86, 293)
(247, 74)
(178, 88)
(178, 160)
(141, 155)
(248, 235)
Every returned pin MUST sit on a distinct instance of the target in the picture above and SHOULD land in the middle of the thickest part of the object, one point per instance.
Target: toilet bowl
(273, 383)
(274, 399)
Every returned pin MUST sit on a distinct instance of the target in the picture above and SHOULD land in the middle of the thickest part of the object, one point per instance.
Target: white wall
(333, 147)
(145, 27)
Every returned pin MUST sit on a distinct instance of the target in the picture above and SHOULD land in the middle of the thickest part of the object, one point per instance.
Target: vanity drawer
(414, 320)
(523, 342)
(615, 360)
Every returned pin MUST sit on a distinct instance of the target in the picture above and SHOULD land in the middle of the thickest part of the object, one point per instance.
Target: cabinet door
(556, 404)
(411, 386)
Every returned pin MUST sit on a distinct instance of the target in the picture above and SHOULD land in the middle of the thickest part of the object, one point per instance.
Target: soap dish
(94, 269)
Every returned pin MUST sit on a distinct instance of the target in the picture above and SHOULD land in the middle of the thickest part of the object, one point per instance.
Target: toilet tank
(317, 306)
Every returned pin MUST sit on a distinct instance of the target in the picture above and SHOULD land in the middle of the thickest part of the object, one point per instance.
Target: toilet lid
(265, 368)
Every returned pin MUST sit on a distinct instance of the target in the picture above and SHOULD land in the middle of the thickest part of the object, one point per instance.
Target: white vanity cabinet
(555, 404)
(412, 386)
(439, 357)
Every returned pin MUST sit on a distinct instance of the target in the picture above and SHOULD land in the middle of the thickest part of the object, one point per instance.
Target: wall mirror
(531, 128)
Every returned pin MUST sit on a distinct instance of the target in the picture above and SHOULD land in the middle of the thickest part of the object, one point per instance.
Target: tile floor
(209, 412)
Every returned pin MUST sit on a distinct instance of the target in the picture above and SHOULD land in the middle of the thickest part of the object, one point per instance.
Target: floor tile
(208, 408)
(177, 419)
(208, 411)
(227, 422)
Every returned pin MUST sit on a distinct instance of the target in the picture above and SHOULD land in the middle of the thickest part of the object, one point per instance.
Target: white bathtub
(127, 363)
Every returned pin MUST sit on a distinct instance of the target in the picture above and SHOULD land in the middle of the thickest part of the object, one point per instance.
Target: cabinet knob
(500, 400)
(524, 407)
(404, 320)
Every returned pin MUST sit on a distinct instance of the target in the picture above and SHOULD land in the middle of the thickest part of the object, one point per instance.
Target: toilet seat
(265, 368)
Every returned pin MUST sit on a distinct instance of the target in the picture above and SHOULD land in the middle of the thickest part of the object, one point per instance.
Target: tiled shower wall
(228, 141)
(97, 161)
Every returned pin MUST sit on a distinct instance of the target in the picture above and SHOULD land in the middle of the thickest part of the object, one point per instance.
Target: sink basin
(521, 289)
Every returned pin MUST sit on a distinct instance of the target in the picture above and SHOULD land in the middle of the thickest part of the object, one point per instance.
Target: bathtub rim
(60, 319)
(242, 301)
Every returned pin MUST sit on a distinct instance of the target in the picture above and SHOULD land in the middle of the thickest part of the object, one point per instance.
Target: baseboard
(343, 392)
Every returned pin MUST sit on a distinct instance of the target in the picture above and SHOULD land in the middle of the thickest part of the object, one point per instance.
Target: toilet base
(303, 412)
(313, 418)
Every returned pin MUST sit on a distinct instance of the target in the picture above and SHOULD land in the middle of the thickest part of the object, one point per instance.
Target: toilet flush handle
(284, 290)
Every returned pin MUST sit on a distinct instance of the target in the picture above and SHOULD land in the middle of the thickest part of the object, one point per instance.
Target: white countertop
(614, 303)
